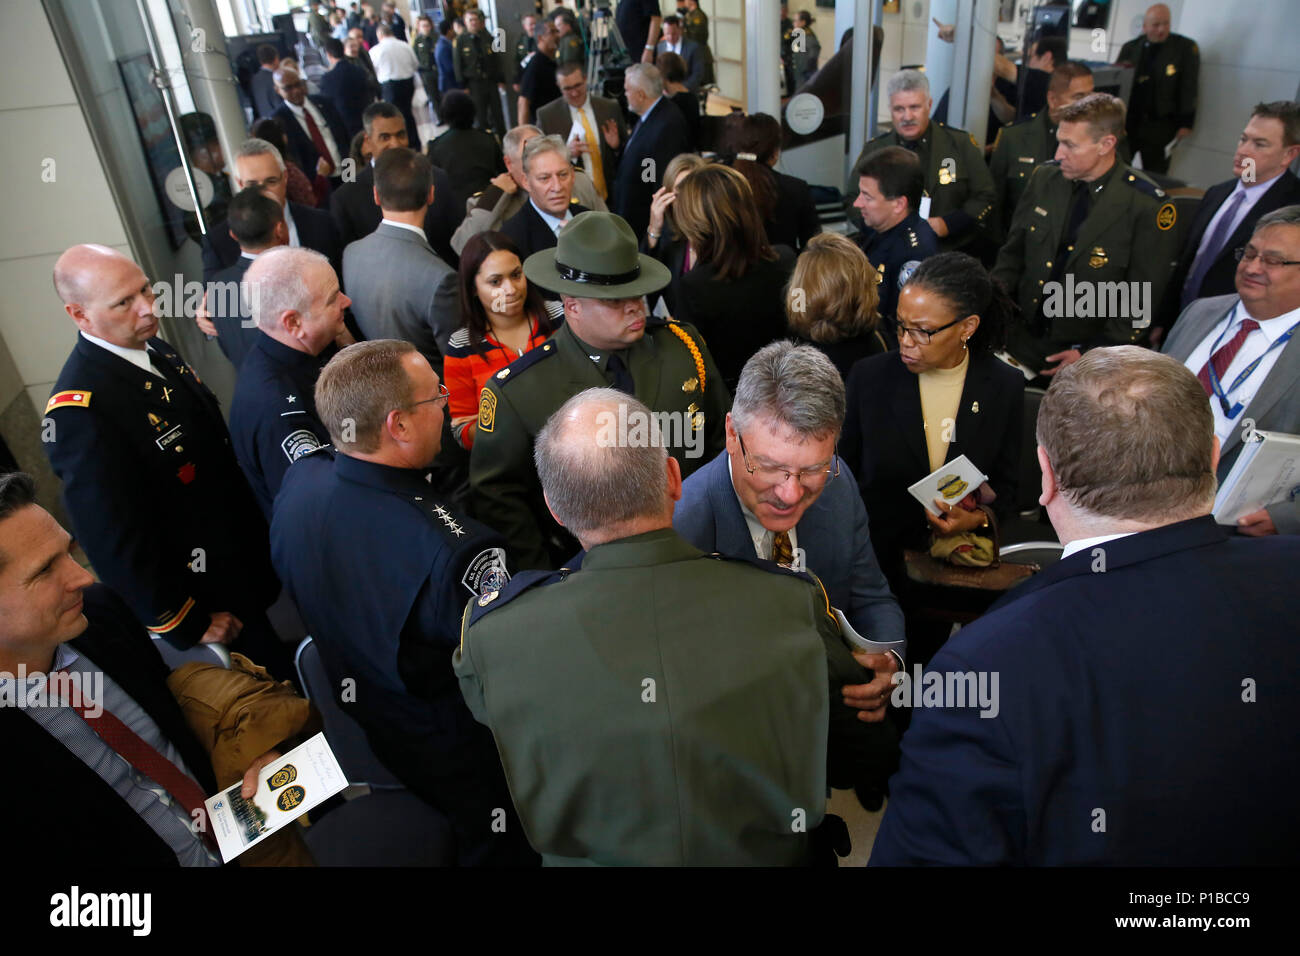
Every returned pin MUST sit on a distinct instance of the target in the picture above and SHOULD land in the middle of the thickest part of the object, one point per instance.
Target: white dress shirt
(325, 133)
(406, 225)
(1257, 343)
(137, 357)
(580, 134)
(1081, 544)
(393, 60)
(762, 538)
(290, 224)
(1252, 193)
(552, 222)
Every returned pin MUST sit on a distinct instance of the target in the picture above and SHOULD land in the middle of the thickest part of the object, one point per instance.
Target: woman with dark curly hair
(501, 316)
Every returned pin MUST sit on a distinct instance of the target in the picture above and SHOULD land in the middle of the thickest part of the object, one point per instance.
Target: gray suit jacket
(1275, 406)
(832, 533)
(400, 289)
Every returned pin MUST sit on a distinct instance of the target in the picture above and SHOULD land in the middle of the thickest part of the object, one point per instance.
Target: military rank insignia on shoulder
(1144, 185)
(524, 362)
(72, 398)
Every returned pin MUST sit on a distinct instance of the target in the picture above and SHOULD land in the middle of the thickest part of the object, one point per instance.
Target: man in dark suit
(155, 495)
(400, 288)
(258, 165)
(346, 86)
(1256, 355)
(1162, 106)
(265, 100)
(659, 136)
(1107, 708)
(317, 136)
(353, 206)
(548, 178)
(1226, 215)
(257, 224)
(68, 633)
(298, 315)
(593, 126)
(688, 50)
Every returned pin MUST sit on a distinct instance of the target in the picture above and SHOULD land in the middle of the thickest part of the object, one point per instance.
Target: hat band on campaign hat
(596, 278)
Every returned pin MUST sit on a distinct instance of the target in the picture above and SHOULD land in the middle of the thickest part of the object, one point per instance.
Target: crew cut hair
(358, 387)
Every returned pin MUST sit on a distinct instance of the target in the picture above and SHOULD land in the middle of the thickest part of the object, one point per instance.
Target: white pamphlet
(856, 640)
(923, 210)
(1267, 471)
(286, 789)
(950, 484)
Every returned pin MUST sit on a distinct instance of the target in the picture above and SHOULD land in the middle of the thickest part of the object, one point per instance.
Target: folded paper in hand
(857, 642)
(950, 484)
(1267, 471)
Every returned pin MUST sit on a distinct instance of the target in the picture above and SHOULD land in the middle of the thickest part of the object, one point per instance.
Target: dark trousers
(487, 106)
(1149, 137)
(400, 93)
(429, 80)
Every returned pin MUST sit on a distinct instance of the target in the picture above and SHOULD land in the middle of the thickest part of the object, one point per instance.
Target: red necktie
(1223, 358)
(318, 141)
(129, 745)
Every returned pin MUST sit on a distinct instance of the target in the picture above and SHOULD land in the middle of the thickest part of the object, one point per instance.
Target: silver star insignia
(291, 399)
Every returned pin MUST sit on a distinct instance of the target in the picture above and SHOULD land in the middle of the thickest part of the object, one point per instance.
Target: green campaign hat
(597, 258)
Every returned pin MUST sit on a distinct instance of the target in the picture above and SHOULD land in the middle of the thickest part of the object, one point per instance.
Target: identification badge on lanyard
(1231, 411)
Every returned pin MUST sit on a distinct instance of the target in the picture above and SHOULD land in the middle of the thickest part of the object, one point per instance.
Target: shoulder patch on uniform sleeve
(72, 397)
(1166, 216)
(486, 575)
(298, 443)
(487, 409)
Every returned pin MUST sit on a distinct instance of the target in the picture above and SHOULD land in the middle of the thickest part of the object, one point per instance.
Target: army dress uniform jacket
(1127, 237)
(155, 494)
(273, 420)
(957, 181)
(698, 686)
(668, 375)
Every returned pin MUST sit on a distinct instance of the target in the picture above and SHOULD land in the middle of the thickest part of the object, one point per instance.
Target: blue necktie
(1210, 250)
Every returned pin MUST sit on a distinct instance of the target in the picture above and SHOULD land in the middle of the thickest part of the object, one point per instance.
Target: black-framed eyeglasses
(1250, 254)
(923, 336)
(810, 478)
(442, 396)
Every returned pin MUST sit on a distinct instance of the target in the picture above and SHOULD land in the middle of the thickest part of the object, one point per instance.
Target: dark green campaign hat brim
(539, 268)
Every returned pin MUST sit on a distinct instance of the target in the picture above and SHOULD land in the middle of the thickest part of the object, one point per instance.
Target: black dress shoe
(871, 798)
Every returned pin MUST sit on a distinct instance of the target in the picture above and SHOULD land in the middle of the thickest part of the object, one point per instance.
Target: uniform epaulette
(492, 600)
(1143, 185)
(72, 398)
(523, 363)
(771, 567)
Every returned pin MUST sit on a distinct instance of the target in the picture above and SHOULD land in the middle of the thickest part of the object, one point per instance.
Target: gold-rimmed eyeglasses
(810, 478)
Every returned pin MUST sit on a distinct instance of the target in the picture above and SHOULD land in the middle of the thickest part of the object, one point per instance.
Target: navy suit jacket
(347, 87)
(1126, 733)
(529, 230)
(695, 62)
(659, 136)
(265, 99)
(302, 150)
(316, 230)
(236, 331)
(832, 533)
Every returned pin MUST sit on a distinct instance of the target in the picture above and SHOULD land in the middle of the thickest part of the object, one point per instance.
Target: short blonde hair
(832, 291)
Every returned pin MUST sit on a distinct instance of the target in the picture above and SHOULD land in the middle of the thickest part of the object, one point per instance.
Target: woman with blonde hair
(732, 283)
(831, 301)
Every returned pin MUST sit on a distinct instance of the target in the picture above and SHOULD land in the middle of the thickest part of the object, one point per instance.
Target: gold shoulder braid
(694, 349)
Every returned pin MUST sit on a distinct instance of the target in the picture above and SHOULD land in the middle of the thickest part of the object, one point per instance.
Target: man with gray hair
(659, 135)
(297, 307)
(640, 620)
(957, 180)
(507, 194)
(548, 178)
(779, 492)
(1246, 355)
(259, 165)
(1124, 715)
(381, 568)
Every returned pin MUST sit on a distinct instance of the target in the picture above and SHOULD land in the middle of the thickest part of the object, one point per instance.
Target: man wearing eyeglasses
(381, 568)
(780, 492)
(1245, 350)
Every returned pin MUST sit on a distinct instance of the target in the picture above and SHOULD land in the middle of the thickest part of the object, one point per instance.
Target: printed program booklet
(286, 789)
(950, 484)
(1267, 471)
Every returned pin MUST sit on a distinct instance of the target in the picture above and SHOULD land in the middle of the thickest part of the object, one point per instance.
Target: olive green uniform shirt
(473, 58)
(1128, 236)
(571, 50)
(695, 26)
(505, 492)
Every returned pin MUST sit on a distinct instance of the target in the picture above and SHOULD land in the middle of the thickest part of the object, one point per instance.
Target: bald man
(1162, 107)
(156, 497)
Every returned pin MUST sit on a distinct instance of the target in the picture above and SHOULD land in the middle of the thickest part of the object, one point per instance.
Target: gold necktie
(597, 168)
(782, 552)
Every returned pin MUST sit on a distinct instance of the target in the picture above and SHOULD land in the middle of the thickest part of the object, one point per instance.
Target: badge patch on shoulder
(1166, 217)
(486, 572)
(299, 443)
(487, 410)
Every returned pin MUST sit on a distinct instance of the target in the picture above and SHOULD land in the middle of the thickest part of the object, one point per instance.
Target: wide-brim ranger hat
(597, 258)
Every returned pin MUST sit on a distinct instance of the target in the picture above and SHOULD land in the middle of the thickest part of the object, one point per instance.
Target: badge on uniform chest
(168, 435)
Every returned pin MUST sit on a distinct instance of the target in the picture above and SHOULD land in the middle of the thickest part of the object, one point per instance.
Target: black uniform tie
(622, 377)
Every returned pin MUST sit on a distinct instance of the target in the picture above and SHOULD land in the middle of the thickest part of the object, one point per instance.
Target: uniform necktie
(136, 751)
(593, 150)
(1079, 207)
(1223, 358)
(318, 141)
(1210, 250)
(622, 377)
(782, 550)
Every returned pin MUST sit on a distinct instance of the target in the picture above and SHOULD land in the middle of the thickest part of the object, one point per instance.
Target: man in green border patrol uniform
(957, 180)
(695, 22)
(1162, 106)
(1090, 248)
(607, 339)
(478, 69)
(571, 49)
(705, 691)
